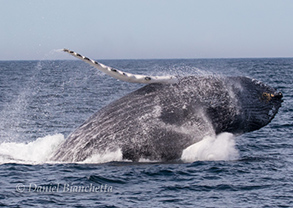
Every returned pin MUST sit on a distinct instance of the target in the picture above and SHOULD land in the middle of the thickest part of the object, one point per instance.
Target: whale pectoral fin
(124, 76)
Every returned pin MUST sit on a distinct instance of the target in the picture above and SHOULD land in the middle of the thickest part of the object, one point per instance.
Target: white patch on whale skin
(272, 112)
(220, 147)
(155, 113)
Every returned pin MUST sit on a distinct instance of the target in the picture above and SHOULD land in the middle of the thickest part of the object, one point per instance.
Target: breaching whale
(169, 114)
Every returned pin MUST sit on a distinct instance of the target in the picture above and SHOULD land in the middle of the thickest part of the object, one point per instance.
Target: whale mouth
(275, 96)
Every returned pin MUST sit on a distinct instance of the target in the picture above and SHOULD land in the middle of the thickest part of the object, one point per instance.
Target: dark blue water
(41, 102)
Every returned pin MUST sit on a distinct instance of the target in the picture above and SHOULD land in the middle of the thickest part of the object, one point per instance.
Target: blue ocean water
(41, 102)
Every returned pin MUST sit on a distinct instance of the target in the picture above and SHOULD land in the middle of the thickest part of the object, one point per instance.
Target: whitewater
(221, 147)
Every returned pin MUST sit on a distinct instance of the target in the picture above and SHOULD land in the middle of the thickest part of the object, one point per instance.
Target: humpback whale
(169, 114)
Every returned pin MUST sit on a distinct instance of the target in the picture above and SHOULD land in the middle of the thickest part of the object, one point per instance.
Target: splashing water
(35, 152)
(108, 156)
(220, 147)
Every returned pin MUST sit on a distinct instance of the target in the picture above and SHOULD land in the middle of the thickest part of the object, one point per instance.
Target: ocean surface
(42, 102)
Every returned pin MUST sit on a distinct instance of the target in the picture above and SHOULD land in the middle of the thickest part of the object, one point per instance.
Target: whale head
(258, 102)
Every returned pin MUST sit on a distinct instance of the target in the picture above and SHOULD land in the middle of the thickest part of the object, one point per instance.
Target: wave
(221, 147)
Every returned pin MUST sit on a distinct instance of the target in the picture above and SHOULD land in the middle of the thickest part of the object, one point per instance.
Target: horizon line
(117, 59)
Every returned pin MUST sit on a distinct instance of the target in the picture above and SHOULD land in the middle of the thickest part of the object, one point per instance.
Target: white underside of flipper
(124, 76)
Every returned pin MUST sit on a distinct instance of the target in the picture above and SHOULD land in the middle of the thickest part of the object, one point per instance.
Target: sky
(146, 29)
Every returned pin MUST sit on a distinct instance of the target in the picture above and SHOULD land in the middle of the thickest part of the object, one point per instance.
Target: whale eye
(267, 96)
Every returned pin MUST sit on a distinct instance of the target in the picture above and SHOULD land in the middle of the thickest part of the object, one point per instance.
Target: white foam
(41, 150)
(107, 156)
(220, 147)
(34, 152)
